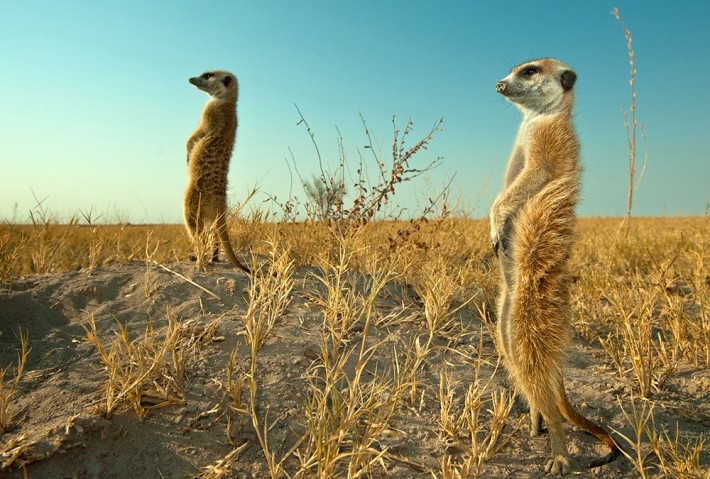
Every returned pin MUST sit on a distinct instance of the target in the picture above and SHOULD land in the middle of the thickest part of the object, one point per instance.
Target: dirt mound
(62, 429)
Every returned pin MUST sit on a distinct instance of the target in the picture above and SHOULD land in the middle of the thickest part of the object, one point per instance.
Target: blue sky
(95, 107)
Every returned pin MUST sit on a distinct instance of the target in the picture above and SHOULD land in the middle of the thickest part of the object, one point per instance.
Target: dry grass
(59, 247)
(643, 299)
(147, 372)
(347, 415)
(463, 429)
(655, 449)
(8, 389)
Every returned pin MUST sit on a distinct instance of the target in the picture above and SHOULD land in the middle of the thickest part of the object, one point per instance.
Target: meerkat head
(539, 85)
(217, 84)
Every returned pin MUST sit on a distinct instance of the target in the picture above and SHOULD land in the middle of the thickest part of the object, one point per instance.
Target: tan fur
(532, 229)
(209, 150)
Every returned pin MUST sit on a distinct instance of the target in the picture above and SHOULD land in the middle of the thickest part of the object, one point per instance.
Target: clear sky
(95, 106)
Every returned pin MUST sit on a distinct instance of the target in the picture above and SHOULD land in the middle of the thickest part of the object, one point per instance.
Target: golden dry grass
(642, 301)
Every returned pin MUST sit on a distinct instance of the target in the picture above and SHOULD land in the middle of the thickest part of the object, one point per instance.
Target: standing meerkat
(532, 223)
(209, 150)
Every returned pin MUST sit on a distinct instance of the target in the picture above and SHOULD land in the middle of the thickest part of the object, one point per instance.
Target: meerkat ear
(567, 79)
(227, 81)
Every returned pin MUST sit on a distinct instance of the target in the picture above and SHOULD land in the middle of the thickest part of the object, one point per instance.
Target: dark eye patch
(529, 71)
(207, 76)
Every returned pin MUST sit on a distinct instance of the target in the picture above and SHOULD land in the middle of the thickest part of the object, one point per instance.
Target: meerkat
(532, 223)
(209, 150)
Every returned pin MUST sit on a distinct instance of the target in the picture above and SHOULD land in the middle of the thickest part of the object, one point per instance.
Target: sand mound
(59, 431)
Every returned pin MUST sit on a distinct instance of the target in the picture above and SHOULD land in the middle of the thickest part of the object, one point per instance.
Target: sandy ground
(58, 432)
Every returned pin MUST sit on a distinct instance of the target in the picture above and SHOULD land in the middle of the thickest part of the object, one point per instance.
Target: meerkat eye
(527, 72)
(207, 76)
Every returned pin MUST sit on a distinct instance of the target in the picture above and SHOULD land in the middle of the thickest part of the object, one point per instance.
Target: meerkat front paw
(499, 234)
(557, 465)
(500, 244)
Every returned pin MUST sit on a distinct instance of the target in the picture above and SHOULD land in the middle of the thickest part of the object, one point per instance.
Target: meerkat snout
(500, 86)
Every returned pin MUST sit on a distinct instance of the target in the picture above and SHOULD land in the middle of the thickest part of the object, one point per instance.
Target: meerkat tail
(571, 414)
(227, 245)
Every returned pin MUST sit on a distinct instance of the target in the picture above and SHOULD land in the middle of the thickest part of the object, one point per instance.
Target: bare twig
(184, 278)
(327, 192)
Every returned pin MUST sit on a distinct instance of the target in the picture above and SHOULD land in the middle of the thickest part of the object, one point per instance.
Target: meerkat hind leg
(537, 426)
(558, 463)
(543, 402)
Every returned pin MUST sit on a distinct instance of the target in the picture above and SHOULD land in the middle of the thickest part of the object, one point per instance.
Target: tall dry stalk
(8, 389)
(641, 419)
(631, 128)
(269, 296)
(98, 237)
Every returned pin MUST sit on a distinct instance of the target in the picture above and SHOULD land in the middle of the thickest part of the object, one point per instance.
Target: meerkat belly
(209, 164)
(516, 163)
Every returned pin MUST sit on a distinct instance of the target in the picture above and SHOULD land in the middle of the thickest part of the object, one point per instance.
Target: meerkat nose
(500, 86)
